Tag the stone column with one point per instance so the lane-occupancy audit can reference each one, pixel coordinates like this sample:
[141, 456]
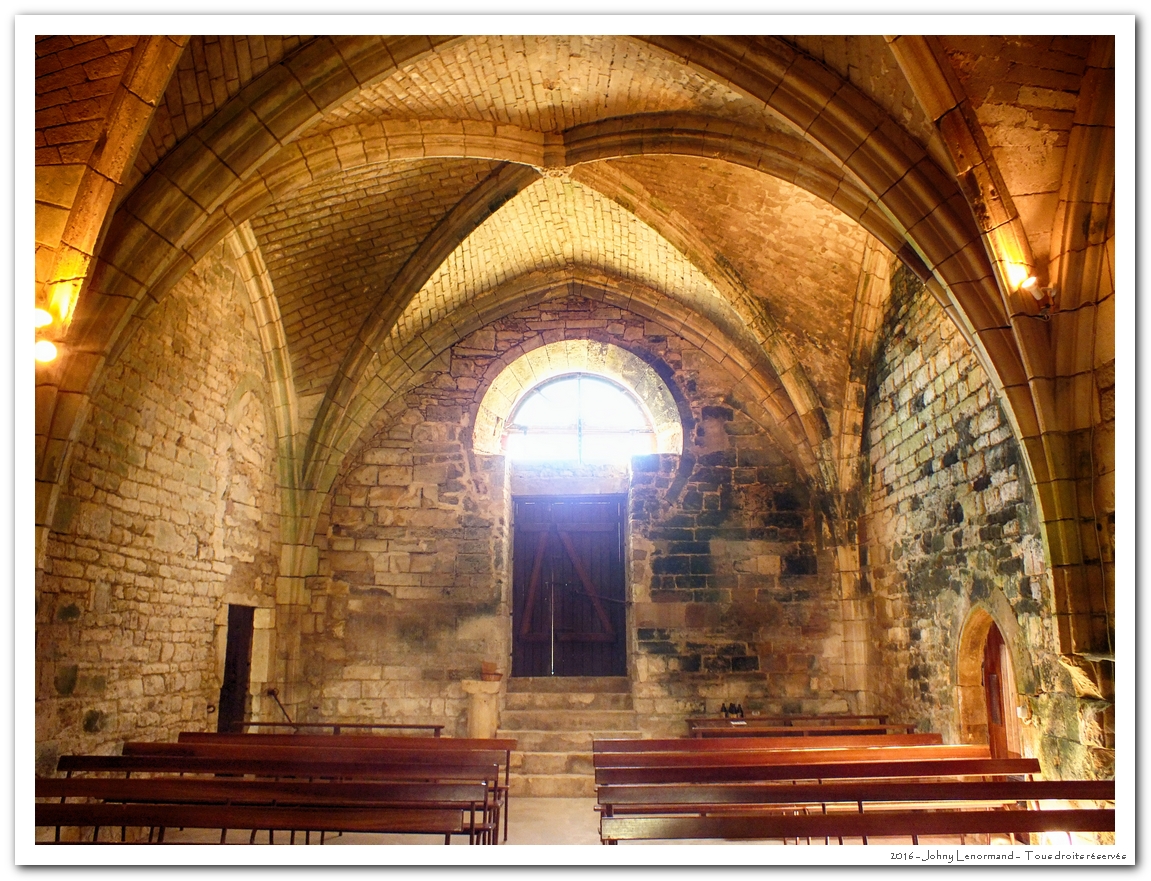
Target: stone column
[483, 707]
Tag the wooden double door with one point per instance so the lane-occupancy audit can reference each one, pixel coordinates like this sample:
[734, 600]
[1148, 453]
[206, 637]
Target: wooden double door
[568, 604]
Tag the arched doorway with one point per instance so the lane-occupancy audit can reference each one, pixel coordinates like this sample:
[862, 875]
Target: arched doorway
[569, 417]
[999, 696]
[988, 696]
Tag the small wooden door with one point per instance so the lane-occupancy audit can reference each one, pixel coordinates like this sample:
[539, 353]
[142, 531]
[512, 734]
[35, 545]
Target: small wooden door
[237, 669]
[568, 604]
[993, 679]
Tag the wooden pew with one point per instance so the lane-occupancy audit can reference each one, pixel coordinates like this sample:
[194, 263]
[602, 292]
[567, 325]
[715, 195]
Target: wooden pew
[345, 747]
[709, 770]
[329, 818]
[753, 728]
[683, 758]
[291, 753]
[791, 718]
[684, 744]
[339, 727]
[415, 799]
[832, 800]
[654, 779]
[481, 767]
[911, 823]
[708, 798]
[335, 769]
[372, 741]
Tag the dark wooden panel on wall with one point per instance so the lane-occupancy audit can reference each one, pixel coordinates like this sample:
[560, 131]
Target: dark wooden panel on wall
[568, 597]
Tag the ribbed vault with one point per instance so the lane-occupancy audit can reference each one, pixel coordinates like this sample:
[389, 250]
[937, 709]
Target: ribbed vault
[334, 104]
[545, 84]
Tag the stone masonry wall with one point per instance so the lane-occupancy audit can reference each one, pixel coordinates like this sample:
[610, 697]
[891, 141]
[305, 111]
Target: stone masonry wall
[734, 598]
[953, 525]
[729, 587]
[168, 514]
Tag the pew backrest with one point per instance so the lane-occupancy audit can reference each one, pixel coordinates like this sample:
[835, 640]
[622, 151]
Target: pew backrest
[342, 741]
[216, 790]
[674, 758]
[329, 818]
[440, 769]
[693, 797]
[740, 728]
[705, 772]
[315, 753]
[848, 824]
[692, 744]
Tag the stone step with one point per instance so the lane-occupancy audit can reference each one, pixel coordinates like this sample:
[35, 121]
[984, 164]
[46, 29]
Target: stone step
[553, 786]
[567, 720]
[582, 700]
[554, 720]
[537, 764]
[569, 684]
[561, 741]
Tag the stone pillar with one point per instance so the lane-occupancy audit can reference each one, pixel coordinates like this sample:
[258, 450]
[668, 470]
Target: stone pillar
[483, 707]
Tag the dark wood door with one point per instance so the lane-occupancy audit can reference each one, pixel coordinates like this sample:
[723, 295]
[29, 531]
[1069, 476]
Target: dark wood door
[568, 605]
[993, 691]
[237, 669]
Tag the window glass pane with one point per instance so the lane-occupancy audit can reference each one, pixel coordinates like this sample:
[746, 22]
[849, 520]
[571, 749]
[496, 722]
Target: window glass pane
[543, 446]
[579, 418]
[616, 446]
[552, 405]
[603, 405]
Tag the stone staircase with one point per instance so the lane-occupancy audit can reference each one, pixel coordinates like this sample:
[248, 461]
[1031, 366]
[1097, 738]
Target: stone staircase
[554, 719]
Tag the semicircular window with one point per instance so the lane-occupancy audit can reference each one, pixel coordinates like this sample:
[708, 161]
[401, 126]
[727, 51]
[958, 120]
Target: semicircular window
[579, 417]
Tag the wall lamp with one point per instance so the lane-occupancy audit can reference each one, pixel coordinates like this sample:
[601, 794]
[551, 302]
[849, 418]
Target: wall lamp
[45, 350]
[1044, 296]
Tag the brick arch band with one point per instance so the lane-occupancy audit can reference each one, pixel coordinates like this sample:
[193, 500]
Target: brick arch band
[576, 356]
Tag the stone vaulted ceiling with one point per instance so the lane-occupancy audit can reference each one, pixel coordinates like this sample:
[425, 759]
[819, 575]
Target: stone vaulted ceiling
[386, 194]
[790, 262]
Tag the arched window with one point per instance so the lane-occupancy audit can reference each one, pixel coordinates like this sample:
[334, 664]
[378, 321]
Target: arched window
[579, 417]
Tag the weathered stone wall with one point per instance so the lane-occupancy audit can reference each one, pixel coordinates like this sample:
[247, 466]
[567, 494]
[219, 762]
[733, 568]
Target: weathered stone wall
[731, 593]
[409, 590]
[952, 527]
[169, 513]
[734, 598]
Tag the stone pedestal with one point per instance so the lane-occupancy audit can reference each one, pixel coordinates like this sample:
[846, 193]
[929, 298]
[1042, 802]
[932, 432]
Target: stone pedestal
[483, 707]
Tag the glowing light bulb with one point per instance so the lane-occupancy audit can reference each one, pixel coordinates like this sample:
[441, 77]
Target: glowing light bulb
[42, 317]
[1017, 275]
[45, 351]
